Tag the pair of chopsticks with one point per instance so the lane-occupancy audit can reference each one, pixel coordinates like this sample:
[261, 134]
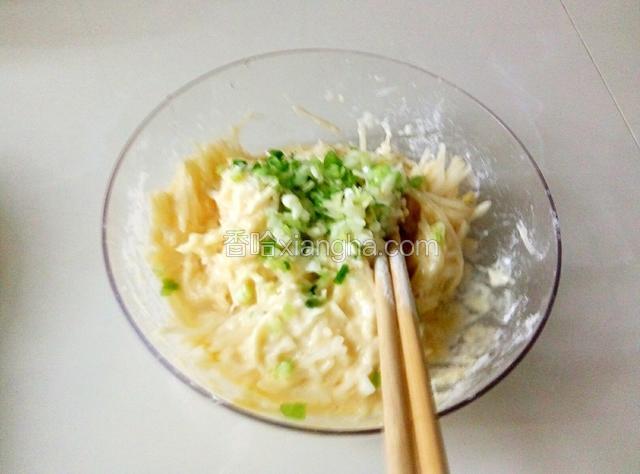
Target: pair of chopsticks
[413, 442]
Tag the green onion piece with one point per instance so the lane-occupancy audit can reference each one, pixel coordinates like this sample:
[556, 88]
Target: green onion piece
[284, 369]
[313, 302]
[260, 171]
[374, 378]
[169, 286]
[438, 233]
[276, 153]
[331, 158]
[297, 411]
[416, 182]
[379, 172]
[308, 186]
[240, 163]
[342, 274]
[349, 179]
[268, 247]
[277, 164]
[301, 174]
[400, 181]
[276, 263]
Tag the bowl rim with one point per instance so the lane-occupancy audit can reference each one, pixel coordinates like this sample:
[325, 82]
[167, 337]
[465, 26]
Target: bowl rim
[257, 416]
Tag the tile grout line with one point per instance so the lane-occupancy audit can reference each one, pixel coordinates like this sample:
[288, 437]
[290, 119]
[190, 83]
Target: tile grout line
[602, 78]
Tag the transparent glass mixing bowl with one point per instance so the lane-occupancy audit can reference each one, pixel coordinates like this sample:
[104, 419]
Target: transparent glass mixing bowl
[521, 229]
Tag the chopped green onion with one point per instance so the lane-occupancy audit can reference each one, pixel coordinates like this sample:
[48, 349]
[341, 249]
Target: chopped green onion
[240, 163]
[260, 170]
[342, 274]
[400, 181]
[284, 369]
[374, 378]
[438, 233]
[331, 158]
[169, 286]
[380, 172]
[313, 302]
[416, 181]
[277, 164]
[278, 264]
[308, 186]
[297, 411]
[276, 153]
[317, 192]
[268, 247]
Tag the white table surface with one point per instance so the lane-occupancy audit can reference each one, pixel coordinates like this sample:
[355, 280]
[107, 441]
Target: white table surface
[78, 391]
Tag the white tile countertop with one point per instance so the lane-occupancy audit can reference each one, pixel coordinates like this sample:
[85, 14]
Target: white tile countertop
[79, 393]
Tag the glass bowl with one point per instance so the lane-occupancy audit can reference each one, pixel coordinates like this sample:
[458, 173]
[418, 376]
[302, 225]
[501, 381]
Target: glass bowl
[519, 236]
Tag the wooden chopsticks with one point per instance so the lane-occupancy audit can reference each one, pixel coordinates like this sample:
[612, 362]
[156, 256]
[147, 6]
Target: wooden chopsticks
[397, 423]
[413, 442]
